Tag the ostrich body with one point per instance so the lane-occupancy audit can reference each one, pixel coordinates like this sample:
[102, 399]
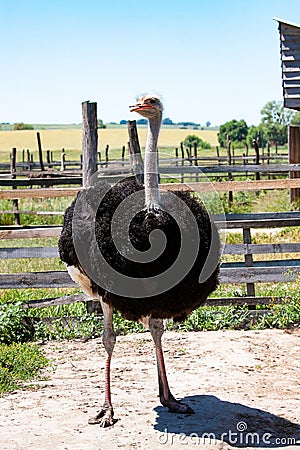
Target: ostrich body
[158, 301]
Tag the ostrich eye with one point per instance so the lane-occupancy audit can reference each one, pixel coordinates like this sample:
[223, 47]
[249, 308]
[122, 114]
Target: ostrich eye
[152, 101]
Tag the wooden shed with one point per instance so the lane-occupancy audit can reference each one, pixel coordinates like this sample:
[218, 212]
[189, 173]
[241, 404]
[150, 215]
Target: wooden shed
[289, 34]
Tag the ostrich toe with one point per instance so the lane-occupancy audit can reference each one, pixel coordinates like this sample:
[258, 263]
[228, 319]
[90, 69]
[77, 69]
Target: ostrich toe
[104, 418]
[175, 406]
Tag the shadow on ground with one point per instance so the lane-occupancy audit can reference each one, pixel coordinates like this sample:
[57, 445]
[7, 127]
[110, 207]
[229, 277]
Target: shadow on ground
[216, 420]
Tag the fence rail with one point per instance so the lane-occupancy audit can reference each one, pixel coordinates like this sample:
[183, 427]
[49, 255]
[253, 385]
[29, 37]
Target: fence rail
[251, 185]
[249, 271]
[40, 180]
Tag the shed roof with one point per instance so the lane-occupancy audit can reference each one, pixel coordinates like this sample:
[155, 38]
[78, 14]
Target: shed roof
[289, 33]
[286, 22]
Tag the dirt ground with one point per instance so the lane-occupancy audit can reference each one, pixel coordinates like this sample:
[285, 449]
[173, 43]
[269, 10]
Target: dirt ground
[243, 387]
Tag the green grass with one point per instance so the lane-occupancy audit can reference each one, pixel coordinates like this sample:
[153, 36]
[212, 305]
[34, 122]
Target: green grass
[19, 364]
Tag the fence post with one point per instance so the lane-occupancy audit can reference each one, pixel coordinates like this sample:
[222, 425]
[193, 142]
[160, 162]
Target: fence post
[48, 156]
[196, 159]
[28, 160]
[176, 156]
[40, 151]
[294, 158]
[256, 148]
[89, 164]
[218, 155]
[123, 154]
[248, 260]
[13, 160]
[63, 160]
[228, 144]
[89, 141]
[106, 155]
[268, 158]
[135, 157]
[182, 161]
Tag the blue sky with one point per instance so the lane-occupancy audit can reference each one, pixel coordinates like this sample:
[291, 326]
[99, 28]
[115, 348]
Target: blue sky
[211, 60]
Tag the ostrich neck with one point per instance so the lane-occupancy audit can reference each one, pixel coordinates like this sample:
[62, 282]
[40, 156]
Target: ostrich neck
[151, 165]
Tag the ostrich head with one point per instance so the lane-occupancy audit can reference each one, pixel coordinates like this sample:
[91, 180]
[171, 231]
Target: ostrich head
[148, 106]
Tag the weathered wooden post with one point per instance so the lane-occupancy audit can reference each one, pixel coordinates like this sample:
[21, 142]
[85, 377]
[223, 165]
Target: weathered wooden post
[63, 160]
[89, 141]
[106, 155]
[268, 158]
[89, 164]
[256, 148]
[13, 161]
[28, 159]
[40, 151]
[134, 150]
[218, 155]
[228, 145]
[182, 161]
[294, 158]
[48, 157]
[123, 154]
[196, 159]
[248, 260]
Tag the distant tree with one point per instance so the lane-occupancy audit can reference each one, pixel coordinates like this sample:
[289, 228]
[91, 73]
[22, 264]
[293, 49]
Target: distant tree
[5, 126]
[236, 129]
[295, 119]
[189, 124]
[123, 122]
[274, 122]
[22, 126]
[274, 112]
[208, 124]
[192, 139]
[100, 124]
[256, 132]
[167, 121]
[142, 122]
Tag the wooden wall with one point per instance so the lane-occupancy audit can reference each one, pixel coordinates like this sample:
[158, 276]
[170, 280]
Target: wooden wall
[290, 63]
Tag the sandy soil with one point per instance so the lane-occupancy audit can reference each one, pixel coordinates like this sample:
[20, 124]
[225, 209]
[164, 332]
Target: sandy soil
[243, 387]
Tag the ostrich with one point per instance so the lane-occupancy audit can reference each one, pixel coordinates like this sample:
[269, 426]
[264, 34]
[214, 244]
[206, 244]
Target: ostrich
[153, 301]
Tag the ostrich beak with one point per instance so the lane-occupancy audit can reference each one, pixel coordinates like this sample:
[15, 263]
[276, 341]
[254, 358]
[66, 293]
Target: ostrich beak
[140, 107]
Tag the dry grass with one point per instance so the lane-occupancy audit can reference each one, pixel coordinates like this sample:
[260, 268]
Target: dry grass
[115, 137]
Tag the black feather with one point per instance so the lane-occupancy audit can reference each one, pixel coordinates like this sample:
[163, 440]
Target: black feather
[178, 301]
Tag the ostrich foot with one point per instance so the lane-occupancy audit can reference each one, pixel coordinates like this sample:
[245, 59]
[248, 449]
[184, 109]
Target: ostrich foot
[104, 417]
[175, 406]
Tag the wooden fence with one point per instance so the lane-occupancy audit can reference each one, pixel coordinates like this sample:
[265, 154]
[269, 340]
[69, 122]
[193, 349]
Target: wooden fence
[249, 271]
[188, 156]
[195, 171]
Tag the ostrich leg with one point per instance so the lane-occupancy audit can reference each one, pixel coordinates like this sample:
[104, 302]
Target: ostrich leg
[166, 398]
[105, 416]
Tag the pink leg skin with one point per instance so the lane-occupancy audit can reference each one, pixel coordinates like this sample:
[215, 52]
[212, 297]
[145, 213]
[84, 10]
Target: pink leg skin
[166, 398]
[105, 417]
